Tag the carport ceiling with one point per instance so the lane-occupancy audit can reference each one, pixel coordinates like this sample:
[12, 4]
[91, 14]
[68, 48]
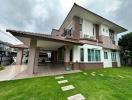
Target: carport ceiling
[46, 45]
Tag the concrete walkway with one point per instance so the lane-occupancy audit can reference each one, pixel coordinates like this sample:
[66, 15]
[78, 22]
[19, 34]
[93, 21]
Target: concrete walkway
[11, 71]
[14, 72]
[49, 70]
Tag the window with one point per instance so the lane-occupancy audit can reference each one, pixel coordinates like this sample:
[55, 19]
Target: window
[106, 31]
[93, 29]
[113, 56]
[93, 55]
[97, 55]
[81, 22]
[105, 55]
[112, 37]
[103, 30]
[81, 54]
[89, 54]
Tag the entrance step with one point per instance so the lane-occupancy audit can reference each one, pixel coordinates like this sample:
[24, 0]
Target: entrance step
[62, 81]
[59, 77]
[76, 97]
[66, 88]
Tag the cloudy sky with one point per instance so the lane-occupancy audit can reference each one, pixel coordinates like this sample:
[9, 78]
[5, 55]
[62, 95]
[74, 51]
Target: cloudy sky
[43, 15]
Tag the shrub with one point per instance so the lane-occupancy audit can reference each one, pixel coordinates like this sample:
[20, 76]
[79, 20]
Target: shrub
[1, 67]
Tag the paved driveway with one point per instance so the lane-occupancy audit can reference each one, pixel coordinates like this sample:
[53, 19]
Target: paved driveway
[11, 71]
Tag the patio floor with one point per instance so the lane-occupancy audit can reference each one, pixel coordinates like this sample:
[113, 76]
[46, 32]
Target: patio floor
[43, 70]
[11, 71]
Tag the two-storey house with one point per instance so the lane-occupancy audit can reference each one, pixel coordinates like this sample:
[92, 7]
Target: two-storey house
[84, 40]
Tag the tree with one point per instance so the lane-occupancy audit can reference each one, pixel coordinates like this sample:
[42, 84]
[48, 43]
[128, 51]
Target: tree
[125, 42]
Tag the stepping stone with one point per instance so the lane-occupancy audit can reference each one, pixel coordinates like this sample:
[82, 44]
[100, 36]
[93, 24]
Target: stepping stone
[104, 71]
[63, 81]
[76, 97]
[101, 74]
[66, 88]
[128, 76]
[85, 73]
[92, 74]
[59, 77]
[121, 76]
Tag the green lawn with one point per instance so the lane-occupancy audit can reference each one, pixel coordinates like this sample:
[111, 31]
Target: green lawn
[108, 87]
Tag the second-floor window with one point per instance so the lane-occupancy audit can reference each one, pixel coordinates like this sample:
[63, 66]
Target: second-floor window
[93, 29]
[81, 23]
[112, 37]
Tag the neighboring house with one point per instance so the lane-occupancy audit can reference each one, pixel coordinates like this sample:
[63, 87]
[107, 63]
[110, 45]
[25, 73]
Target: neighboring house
[6, 53]
[85, 40]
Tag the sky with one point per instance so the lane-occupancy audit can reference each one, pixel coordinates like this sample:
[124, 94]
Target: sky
[43, 15]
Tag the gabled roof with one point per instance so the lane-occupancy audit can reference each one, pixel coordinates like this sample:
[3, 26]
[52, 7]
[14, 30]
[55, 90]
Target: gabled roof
[81, 12]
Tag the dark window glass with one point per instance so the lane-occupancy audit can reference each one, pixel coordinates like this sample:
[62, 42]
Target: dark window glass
[105, 55]
[81, 54]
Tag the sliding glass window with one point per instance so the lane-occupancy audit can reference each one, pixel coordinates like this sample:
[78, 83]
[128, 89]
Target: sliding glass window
[94, 55]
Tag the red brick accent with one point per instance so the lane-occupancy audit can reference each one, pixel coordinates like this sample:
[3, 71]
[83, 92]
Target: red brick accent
[114, 64]
[66, 64]
[91, 65]
[76, 30]
[107, 43]
[75, 66]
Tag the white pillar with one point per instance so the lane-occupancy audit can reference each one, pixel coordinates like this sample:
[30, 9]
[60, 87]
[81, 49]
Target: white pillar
[19, 56]
[32, 56]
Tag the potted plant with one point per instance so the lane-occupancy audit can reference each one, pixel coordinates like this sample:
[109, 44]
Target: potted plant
[69, 67]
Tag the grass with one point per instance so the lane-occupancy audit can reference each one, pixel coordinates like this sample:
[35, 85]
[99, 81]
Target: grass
[1, 67]
[108, 87]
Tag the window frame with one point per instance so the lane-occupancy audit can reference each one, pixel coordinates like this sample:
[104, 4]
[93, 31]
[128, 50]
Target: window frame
[81, 25]
[81, 54]
[113, 56]
[93, 55]
[105, 55]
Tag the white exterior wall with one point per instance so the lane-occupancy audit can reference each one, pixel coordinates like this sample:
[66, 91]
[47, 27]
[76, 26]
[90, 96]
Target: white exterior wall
[76, 52]
[107, 62]
[118, 58]
[104, 32]
[87, 28]
[116, 41]
[70, 25]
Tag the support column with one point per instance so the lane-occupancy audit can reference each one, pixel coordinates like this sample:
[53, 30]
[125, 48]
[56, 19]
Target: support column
[36, 60]
[19, 56]
[66, 56]
[76, 57]
[32, 56]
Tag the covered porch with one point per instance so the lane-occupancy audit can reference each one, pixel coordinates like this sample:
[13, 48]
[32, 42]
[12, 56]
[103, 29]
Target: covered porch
[61, 52]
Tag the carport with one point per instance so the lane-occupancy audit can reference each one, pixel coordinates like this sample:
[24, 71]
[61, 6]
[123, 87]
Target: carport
[57, 45]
